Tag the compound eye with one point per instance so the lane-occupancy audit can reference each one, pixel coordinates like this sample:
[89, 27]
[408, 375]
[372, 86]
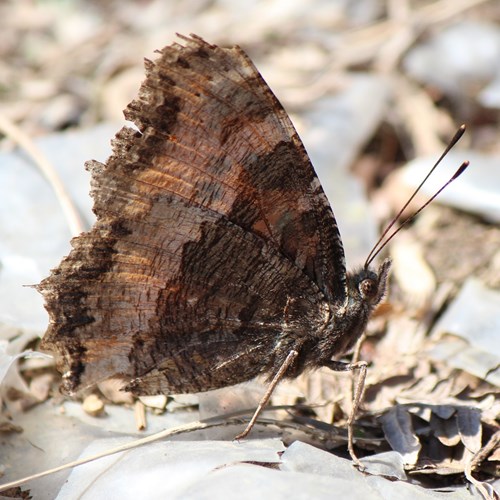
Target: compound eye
[368, 289]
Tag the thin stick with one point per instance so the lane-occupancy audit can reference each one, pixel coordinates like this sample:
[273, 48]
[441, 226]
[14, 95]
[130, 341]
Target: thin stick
[22, 140]
[263, 402]
[195, 426]
[485, 451]
[140, 415]
[486, 490]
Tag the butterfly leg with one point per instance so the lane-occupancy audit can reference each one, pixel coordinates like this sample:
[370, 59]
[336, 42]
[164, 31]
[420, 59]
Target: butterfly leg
[263, 402]
[338, 366]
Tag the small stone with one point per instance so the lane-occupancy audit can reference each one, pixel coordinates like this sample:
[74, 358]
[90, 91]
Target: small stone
[93, 406]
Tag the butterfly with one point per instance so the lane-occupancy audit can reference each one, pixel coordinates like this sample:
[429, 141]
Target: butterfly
[216, 256]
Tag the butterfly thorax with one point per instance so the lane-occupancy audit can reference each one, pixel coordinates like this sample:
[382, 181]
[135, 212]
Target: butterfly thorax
[365, 289]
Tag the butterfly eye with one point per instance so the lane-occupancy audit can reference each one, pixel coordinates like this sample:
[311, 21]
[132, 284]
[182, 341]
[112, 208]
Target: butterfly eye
[368, 288]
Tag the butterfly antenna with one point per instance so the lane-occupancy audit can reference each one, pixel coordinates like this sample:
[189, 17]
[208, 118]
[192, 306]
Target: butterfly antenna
[382, 241]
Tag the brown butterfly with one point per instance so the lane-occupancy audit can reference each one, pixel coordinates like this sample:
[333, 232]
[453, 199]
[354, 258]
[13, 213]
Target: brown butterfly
[215, 256]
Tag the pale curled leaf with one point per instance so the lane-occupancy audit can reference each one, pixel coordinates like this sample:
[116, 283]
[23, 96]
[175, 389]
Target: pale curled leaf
[6, 360]
[398, 430]
[389, 464]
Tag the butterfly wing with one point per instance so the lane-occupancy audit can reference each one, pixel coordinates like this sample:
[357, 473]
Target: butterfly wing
[214, 243]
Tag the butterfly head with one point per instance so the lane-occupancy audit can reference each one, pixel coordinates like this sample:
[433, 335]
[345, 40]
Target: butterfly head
[369, 286]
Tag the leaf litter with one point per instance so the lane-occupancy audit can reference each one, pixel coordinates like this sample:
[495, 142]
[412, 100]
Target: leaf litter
[432, 393]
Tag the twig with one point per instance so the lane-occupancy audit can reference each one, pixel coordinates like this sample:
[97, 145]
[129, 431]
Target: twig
[195, 426]
[485, 489]
[14, 133]
[485, 451]
[140, 415]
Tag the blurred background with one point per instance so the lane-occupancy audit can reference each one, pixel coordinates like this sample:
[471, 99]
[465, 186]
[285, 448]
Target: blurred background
[375, 88]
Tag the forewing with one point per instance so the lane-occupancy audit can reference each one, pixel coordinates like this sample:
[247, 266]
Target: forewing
[215, 134]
